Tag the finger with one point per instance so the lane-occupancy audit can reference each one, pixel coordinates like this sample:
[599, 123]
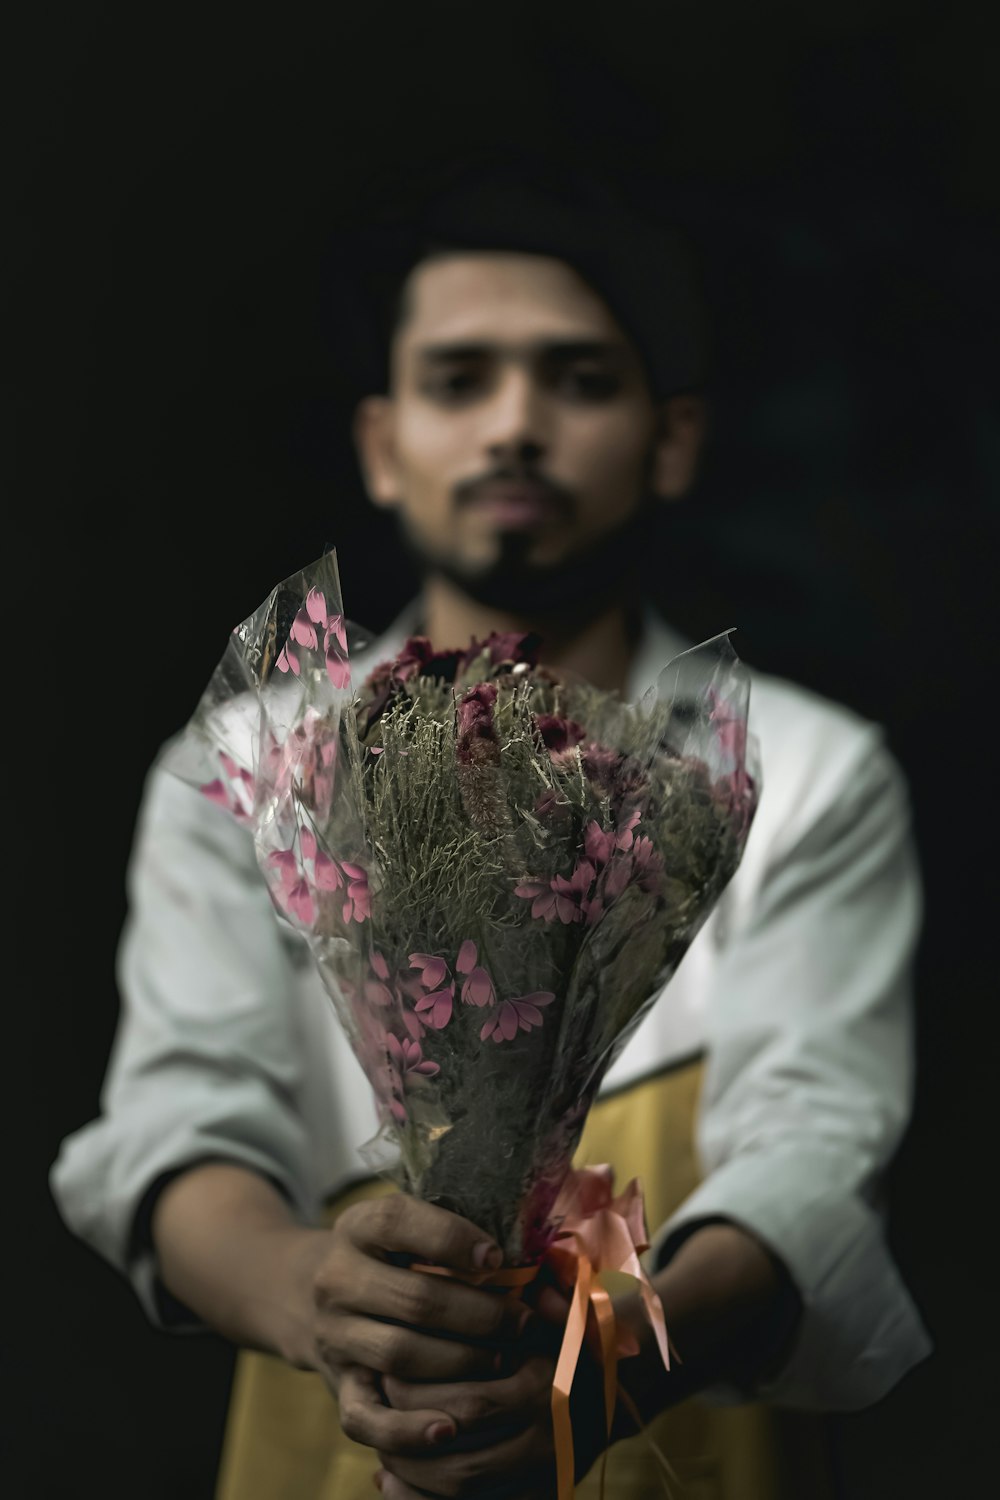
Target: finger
[365, 1418]
[398, 1223]
[521, 1462]
[393, 1350]
[511, 1402]
[356, 1283]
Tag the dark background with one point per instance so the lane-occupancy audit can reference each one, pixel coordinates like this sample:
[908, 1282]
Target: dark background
[184, 388]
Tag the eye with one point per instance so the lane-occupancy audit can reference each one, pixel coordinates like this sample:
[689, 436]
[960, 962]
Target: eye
[453, 384]
[594, 385]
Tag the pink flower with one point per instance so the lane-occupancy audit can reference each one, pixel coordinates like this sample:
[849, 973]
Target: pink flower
[478, 987]
[407, 1057]
[626, 831]
[357, 905]
[433, 969]
[404, 1060]
[434, 1006]
[730, 726]
[235, 793]
[335, 650]
[292, 895]
[435, 1009]
[310, 620]
[570, 894]
[541, 896]
[511, 1016]
[599, 844]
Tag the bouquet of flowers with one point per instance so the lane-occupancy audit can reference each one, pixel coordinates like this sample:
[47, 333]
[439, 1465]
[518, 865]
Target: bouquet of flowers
[497, 868]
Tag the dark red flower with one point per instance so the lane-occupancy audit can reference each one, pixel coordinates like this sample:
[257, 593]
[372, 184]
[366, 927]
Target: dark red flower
[558, 733]
[476, 739]
[508, 647]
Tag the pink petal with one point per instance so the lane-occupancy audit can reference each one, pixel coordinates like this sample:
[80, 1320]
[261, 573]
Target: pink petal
[478, 988]
[354, 871]
[597, 843]
[441, 1014]
[303, 632]
[537, 997]
[316, 607]
[335, 627]
[338, 670]
[566, 911]
[393, 1047]
[583, 876]
[529, 889]
[397, 1111]
[376, 993]
[379, 964]
[361, 900]
[413, 1024]
[434, 969]
[544, 906]
[427, 1068]
[466, 960]
[489, 1027]
[285, 861]
[527, 1015]
[300, 902]
[436, 1008]
[288, 661]
[215, 792]
[507, 1022]
[308, 842]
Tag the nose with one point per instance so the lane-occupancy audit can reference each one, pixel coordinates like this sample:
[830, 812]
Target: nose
[514, 420]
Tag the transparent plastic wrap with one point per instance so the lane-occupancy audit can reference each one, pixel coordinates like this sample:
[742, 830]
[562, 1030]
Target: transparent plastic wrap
[497, 869]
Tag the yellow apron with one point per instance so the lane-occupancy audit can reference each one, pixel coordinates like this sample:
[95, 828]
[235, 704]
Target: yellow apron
[283, 1440]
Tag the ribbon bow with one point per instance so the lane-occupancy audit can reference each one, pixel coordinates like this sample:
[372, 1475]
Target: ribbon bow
[597, 1232]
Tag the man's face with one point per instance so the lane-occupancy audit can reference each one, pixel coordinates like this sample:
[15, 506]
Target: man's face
[519, 428]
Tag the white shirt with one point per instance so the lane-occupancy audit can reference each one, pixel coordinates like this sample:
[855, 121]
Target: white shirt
[797, 988]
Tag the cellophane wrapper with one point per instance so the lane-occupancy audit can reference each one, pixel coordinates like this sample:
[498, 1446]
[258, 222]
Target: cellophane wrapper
[496, 866]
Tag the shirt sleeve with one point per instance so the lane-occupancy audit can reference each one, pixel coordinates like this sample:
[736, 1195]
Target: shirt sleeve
[205, 1063]
[809, 1083]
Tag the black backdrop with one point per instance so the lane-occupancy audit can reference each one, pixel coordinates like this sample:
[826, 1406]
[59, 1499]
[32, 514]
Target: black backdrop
[184, 443]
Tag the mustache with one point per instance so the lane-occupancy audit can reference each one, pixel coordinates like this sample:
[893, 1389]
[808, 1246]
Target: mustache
[468, 491]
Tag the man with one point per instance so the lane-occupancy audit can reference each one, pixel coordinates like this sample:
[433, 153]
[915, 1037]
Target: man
[528, 430]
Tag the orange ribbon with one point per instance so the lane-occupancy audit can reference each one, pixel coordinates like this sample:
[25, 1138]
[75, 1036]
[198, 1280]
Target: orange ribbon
[598, 1232]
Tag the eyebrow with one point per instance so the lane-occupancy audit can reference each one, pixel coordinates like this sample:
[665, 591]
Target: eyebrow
[563, 349]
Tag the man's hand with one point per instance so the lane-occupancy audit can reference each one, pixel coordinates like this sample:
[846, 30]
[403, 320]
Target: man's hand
[729, 1310]
[340, 1301]
[504, 1445]
[374, 1318]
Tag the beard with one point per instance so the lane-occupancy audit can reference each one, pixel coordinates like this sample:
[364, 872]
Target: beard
[610, 572]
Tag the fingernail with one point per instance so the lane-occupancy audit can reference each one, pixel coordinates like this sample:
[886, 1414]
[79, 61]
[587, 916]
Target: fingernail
[522, 1321]
[487, 1256]
[438, 1431]
[377, 1479]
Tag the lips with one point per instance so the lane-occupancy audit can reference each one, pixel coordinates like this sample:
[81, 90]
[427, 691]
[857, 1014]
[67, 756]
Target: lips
[517, 503]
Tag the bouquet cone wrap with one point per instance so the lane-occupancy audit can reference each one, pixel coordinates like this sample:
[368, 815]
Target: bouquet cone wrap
[497, 869]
